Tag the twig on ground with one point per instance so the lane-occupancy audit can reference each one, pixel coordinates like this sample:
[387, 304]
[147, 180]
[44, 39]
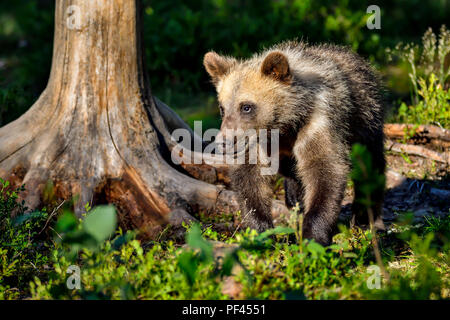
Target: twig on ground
[239, 225]
[51, 215]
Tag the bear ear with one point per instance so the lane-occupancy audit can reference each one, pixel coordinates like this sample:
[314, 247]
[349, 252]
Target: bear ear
[276, 65]
[217, 65]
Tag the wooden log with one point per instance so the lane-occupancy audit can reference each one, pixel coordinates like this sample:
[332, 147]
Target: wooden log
[417, 151]
[397, 130]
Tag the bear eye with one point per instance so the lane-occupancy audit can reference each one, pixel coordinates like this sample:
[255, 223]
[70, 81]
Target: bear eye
[246, 108]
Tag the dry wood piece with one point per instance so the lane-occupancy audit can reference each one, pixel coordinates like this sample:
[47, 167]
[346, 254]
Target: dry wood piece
[397, 130]
[417, 151]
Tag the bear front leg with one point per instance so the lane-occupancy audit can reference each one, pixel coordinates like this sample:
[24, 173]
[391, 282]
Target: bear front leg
[323, 169]
[254, 194]
[324, 191]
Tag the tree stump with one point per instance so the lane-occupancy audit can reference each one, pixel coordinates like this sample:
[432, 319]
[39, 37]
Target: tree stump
[97, 132]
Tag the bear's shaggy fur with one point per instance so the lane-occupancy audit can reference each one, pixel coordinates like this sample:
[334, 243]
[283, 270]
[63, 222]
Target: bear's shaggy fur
[323, 99]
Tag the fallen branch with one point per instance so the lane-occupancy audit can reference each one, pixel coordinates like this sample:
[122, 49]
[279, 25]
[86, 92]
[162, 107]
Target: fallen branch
[417, 151]
[397, 130]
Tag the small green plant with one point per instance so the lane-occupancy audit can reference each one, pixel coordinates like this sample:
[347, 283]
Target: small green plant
[120, 268]
[200, 252]
[421, 273]
[367, 183]
[22, 256]
[433, 106]
[90, 233]
[270, 265]
[429, 75]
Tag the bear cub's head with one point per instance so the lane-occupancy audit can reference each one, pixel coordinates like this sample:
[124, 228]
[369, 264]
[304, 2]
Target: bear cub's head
[252, 92]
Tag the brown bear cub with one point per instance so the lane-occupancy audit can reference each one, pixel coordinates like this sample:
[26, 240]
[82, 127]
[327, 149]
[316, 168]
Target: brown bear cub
[322, 99]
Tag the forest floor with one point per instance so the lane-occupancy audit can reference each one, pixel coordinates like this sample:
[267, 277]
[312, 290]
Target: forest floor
[414, 185]
[417, 191]
[218, 259]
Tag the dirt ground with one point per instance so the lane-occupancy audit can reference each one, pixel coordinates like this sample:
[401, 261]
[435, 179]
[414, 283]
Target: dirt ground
[413, 185]
[420, 186]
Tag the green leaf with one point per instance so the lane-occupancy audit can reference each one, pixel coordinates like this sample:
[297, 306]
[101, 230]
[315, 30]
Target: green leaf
[80, 239]
[66, 222]
[228, 263]
[188, 263]
[195, 240]
[101, 222]
[316, 249]
[28, 216]
[274, 231]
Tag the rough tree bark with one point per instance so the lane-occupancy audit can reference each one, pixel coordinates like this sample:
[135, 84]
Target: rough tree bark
[97, 132]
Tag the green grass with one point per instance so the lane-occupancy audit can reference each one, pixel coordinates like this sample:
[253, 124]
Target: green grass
[265, 269]
[22, 255]
[277, 264]
[429, 75]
